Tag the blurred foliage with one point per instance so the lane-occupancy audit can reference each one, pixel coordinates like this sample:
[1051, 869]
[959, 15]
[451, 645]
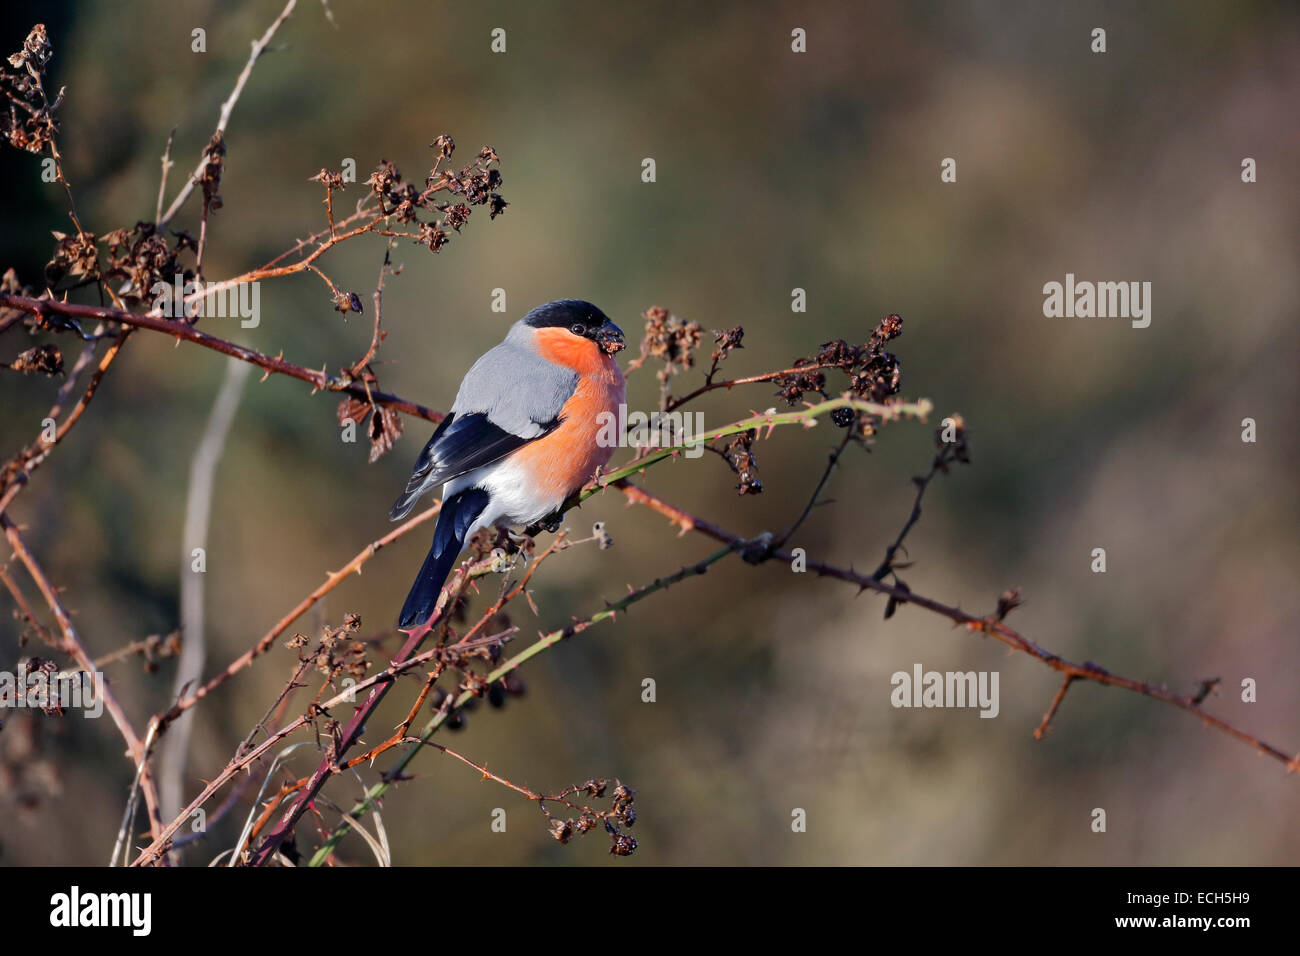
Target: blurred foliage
[774, 171]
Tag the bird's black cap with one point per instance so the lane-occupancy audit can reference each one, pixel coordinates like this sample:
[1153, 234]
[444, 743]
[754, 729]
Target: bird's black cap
[564, 313]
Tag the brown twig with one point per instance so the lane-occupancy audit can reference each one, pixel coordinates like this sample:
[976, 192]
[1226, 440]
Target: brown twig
[504, 669]
[227, 108]
[150, 648]
[352, 733]
[29, 615]
[988, 626]
[812, 500]
[947, 453]
[74, 646]
[441, 657]
[1042, 728]
[265, 642]
[19, 471]
[319, 380]
[710, 385]
[378, 335]
[384, 678]
[563, 830]
[167, 164]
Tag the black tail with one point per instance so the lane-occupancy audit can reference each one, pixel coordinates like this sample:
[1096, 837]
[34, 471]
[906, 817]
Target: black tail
[457, 514]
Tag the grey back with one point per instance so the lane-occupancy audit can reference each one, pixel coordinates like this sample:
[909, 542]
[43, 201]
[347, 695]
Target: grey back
[518, 389]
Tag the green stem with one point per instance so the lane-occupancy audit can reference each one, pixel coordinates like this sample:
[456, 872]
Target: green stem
[806, 417]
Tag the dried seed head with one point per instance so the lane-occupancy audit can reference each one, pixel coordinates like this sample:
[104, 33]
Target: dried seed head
[622, 844]
[45, 359]
[329, 180]
[740, 456]
[670, 339]
[1008, 601]
[562, 830]
[445, 146]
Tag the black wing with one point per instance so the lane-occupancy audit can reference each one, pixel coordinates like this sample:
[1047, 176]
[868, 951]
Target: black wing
[460, 444]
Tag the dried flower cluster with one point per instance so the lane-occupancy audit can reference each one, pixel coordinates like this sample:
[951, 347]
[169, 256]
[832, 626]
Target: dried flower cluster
[142, 257]
[214, 162]
[477, 183]
[669, 339]
[337, 651]
[672, 341]
[44, 359]
[49, 670]
[725, 341]
[620, 814]
[29, 123]
[740, 456]
[874, 374]
[152, 650]
[383, 425]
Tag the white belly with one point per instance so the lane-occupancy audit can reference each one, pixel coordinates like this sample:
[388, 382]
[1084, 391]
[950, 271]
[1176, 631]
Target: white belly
[512, 500]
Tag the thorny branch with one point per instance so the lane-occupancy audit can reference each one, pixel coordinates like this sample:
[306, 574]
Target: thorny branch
[504, 672]
[73, 645]
[319, 380]
[949, 451]
[357, 724]
[620, 811]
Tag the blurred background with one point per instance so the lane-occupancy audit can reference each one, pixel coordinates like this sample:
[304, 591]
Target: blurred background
[775, 170]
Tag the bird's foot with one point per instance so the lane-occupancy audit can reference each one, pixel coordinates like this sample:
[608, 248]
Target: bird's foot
[521, 541]
[550, 524]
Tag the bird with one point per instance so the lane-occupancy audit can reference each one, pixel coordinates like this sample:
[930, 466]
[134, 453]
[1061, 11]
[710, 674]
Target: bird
[520, 438]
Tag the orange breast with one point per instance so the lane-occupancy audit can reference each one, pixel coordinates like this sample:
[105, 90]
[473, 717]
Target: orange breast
[565, 460]
[573, 351]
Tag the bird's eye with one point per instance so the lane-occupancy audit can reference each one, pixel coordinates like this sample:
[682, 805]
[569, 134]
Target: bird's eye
[577, 328]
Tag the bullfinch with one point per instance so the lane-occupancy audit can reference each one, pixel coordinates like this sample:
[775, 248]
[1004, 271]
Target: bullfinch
[520, 438]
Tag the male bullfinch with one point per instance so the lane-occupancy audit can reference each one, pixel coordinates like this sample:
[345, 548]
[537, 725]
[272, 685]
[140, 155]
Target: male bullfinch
[520, 437]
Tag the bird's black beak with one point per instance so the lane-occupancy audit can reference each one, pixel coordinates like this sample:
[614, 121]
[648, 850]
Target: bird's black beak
[610, 338]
